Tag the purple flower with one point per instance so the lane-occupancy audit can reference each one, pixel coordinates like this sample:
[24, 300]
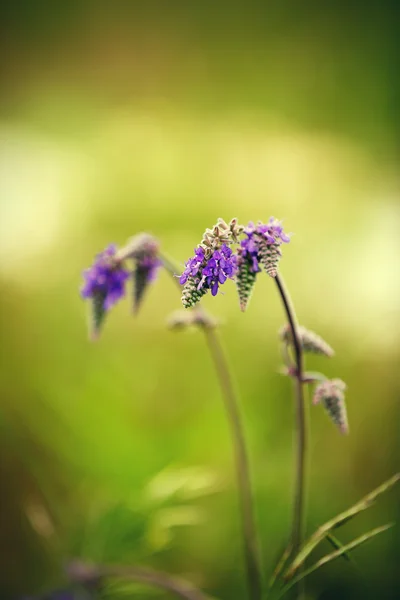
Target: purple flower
[105, 279]
[207, 270]
[254, 248]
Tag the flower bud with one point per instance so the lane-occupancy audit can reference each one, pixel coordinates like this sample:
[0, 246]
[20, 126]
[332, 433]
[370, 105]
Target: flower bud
[331, 394]
[310, 341]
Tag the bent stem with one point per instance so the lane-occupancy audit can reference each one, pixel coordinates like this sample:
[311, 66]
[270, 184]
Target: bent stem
[301, 425]
[251, 550]
[241, 464]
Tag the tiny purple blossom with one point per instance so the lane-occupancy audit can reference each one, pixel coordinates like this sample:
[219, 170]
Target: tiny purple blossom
[210, 272]
[105, 277]
[259, 236]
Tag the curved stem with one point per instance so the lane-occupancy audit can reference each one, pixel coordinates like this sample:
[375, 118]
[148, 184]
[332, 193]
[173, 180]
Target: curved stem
[301, 424]
[241, 464]
[93, 574]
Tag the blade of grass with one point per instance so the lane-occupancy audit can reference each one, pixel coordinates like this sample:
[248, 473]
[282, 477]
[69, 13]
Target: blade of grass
[337, 544]
[338, 521]
[280, 566]
[330, 557]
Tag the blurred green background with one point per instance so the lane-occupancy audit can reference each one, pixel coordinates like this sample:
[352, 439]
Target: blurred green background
[119, 117]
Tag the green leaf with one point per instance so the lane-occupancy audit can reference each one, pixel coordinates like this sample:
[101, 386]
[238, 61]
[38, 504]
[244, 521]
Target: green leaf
[330, 557]
[280, 566]
[338, 521]
[337, 544]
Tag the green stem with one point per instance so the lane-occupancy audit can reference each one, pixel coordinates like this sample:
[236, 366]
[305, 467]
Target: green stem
[301, 429]
[241, 464]
[240, 453]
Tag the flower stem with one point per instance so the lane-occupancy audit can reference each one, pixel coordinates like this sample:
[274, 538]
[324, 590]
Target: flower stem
[301, 428]
[240, 453]
[241, 464]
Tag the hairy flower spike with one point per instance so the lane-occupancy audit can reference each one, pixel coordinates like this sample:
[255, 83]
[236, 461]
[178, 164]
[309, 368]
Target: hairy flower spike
[143, 249]
[331, 394]
[310, 341]
[104, 285]
[212, 264]
[245, 280]
[260, 248]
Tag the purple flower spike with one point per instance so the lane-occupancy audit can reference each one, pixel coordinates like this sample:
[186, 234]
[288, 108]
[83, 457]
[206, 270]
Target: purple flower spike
[104, 285]
[260, 248]
[208, 269]
[106, 278]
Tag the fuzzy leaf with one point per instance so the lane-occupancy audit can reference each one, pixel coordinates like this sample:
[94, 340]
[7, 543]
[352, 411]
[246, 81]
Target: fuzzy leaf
[338, 521]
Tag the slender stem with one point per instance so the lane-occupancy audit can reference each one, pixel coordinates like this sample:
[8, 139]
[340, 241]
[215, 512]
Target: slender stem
[298, 523]
[240, 453]
[241, 464]
[93, 575]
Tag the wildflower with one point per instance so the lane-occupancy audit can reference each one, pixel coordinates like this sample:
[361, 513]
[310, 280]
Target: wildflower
[331, 394]
[106, 278]
[143, 249]
[310, 341]
[260, 248]
[212, 264]
[104, 285]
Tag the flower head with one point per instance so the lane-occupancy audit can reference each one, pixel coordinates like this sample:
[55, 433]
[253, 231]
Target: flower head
[105, 279]
[260, 248]
[261, 245]
[331, 394]
[310, 341]
[145, 255]
[104, 285]
[212, 264]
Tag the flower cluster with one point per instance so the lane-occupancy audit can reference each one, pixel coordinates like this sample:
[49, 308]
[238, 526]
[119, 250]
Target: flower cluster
[261, 245]
[212, 264]
[260, 248]
[105, 280]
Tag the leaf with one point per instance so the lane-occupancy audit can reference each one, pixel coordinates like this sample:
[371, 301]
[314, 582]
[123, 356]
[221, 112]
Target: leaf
[338, 521]
[330, 557]
[280, 566]
[337, 544]
[97, 314]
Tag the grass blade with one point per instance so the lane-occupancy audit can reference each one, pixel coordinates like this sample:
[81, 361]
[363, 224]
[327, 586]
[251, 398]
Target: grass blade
[338, 521]
[330, 557]
[280, 566]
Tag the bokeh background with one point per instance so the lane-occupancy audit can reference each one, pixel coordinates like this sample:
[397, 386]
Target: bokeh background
[128, 116]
